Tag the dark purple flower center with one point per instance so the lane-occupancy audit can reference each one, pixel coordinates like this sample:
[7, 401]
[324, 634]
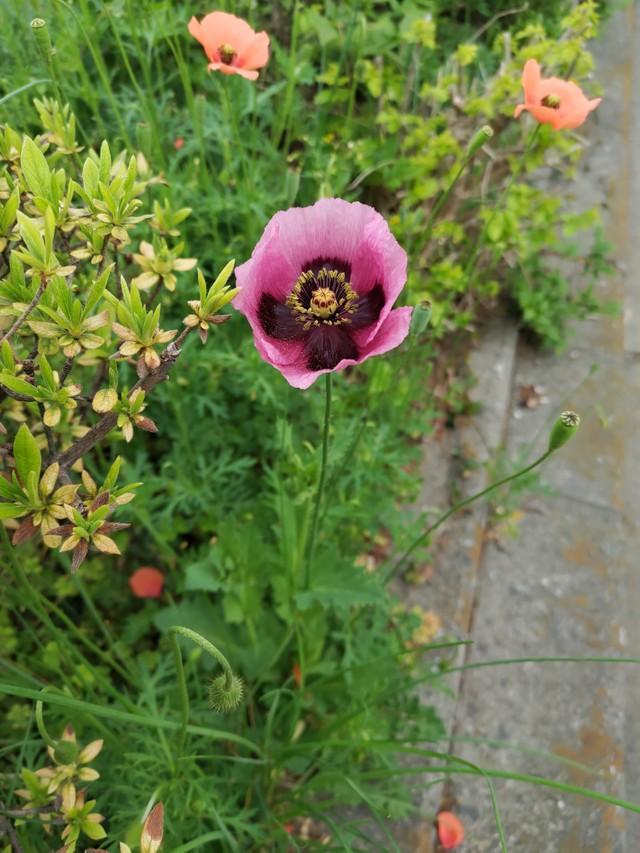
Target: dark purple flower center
[227, 53]
[323, 310]
[552, 101]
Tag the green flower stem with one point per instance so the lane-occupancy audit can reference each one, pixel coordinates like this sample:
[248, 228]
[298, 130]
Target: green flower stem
[281, 123]
[440, 203]
[207, 647]
[44, 734]
[480, 239]
[182, 692]
[321, 480]
[425, 534]
[211, 650]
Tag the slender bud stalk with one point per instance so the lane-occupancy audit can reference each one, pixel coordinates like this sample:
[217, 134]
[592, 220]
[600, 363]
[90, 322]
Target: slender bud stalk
[64, 751]
[564, 428]
[44, 734]
[478, 140]
[225, 692]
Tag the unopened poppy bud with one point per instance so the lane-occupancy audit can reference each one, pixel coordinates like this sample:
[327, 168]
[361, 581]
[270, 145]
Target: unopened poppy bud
[563, 429]
[65, 752]
[481, 137]
[420, 317]
[41, 35]
[224, 699]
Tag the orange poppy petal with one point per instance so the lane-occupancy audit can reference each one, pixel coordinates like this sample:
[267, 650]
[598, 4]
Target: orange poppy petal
[147, 582]
[245, 72]
[531, 79]
[195, 28]
[256, 53]
[224, 28]
[571, 120]
[450, 830]
[546, 115]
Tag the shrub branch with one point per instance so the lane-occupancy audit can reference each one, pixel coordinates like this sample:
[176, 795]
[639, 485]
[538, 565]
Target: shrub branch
[107, 422]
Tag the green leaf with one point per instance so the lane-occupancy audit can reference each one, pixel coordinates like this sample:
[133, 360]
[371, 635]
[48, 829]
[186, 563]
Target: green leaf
[14, 383]
[7, 490]
[112, 477]
[35, 169]
[90, 177]
[93, 830]
[202, 576]
[47, 372]
[6, 356]
[27, 454]
[8, 215]
[11, 511]
[49, 233]
[32, 237]
[339, 585]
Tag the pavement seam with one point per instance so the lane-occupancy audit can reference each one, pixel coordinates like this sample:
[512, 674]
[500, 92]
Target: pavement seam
[448, 798]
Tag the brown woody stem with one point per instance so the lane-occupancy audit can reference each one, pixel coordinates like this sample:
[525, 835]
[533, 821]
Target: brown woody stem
[107, 422]
[20, 320]
[23, 398]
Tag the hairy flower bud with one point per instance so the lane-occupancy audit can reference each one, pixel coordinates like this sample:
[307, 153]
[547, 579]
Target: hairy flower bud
[223, 699]
[65, 752]
[563, 429]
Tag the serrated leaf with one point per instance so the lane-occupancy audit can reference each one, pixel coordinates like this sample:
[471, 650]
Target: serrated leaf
[337, 584]
[201, 576]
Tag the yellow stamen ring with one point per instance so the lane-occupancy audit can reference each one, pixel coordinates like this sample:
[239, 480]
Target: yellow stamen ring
[323, 297]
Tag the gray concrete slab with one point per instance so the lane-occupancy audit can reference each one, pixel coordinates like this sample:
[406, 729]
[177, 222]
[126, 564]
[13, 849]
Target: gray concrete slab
[569, 584]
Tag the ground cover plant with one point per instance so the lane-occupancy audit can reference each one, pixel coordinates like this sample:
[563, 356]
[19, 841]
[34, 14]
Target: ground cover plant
[196, 552]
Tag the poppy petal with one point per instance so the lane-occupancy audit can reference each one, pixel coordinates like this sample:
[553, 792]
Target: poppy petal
[368, 309]
[147, 582]
[243, 72]
[223, 28]
[256, 52]
[277, 320]
[531, 78]
[326, 346]
[450, 830]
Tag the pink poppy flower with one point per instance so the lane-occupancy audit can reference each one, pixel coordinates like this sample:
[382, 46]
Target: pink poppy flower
[147, 582]
[550, 100]
[450, 830]
[319, 288]
[230, 44]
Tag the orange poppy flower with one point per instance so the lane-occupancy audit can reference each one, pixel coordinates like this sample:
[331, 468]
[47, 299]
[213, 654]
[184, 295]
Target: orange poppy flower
[450, 830]
[147, 582]
[550, 100]
[230, 44]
